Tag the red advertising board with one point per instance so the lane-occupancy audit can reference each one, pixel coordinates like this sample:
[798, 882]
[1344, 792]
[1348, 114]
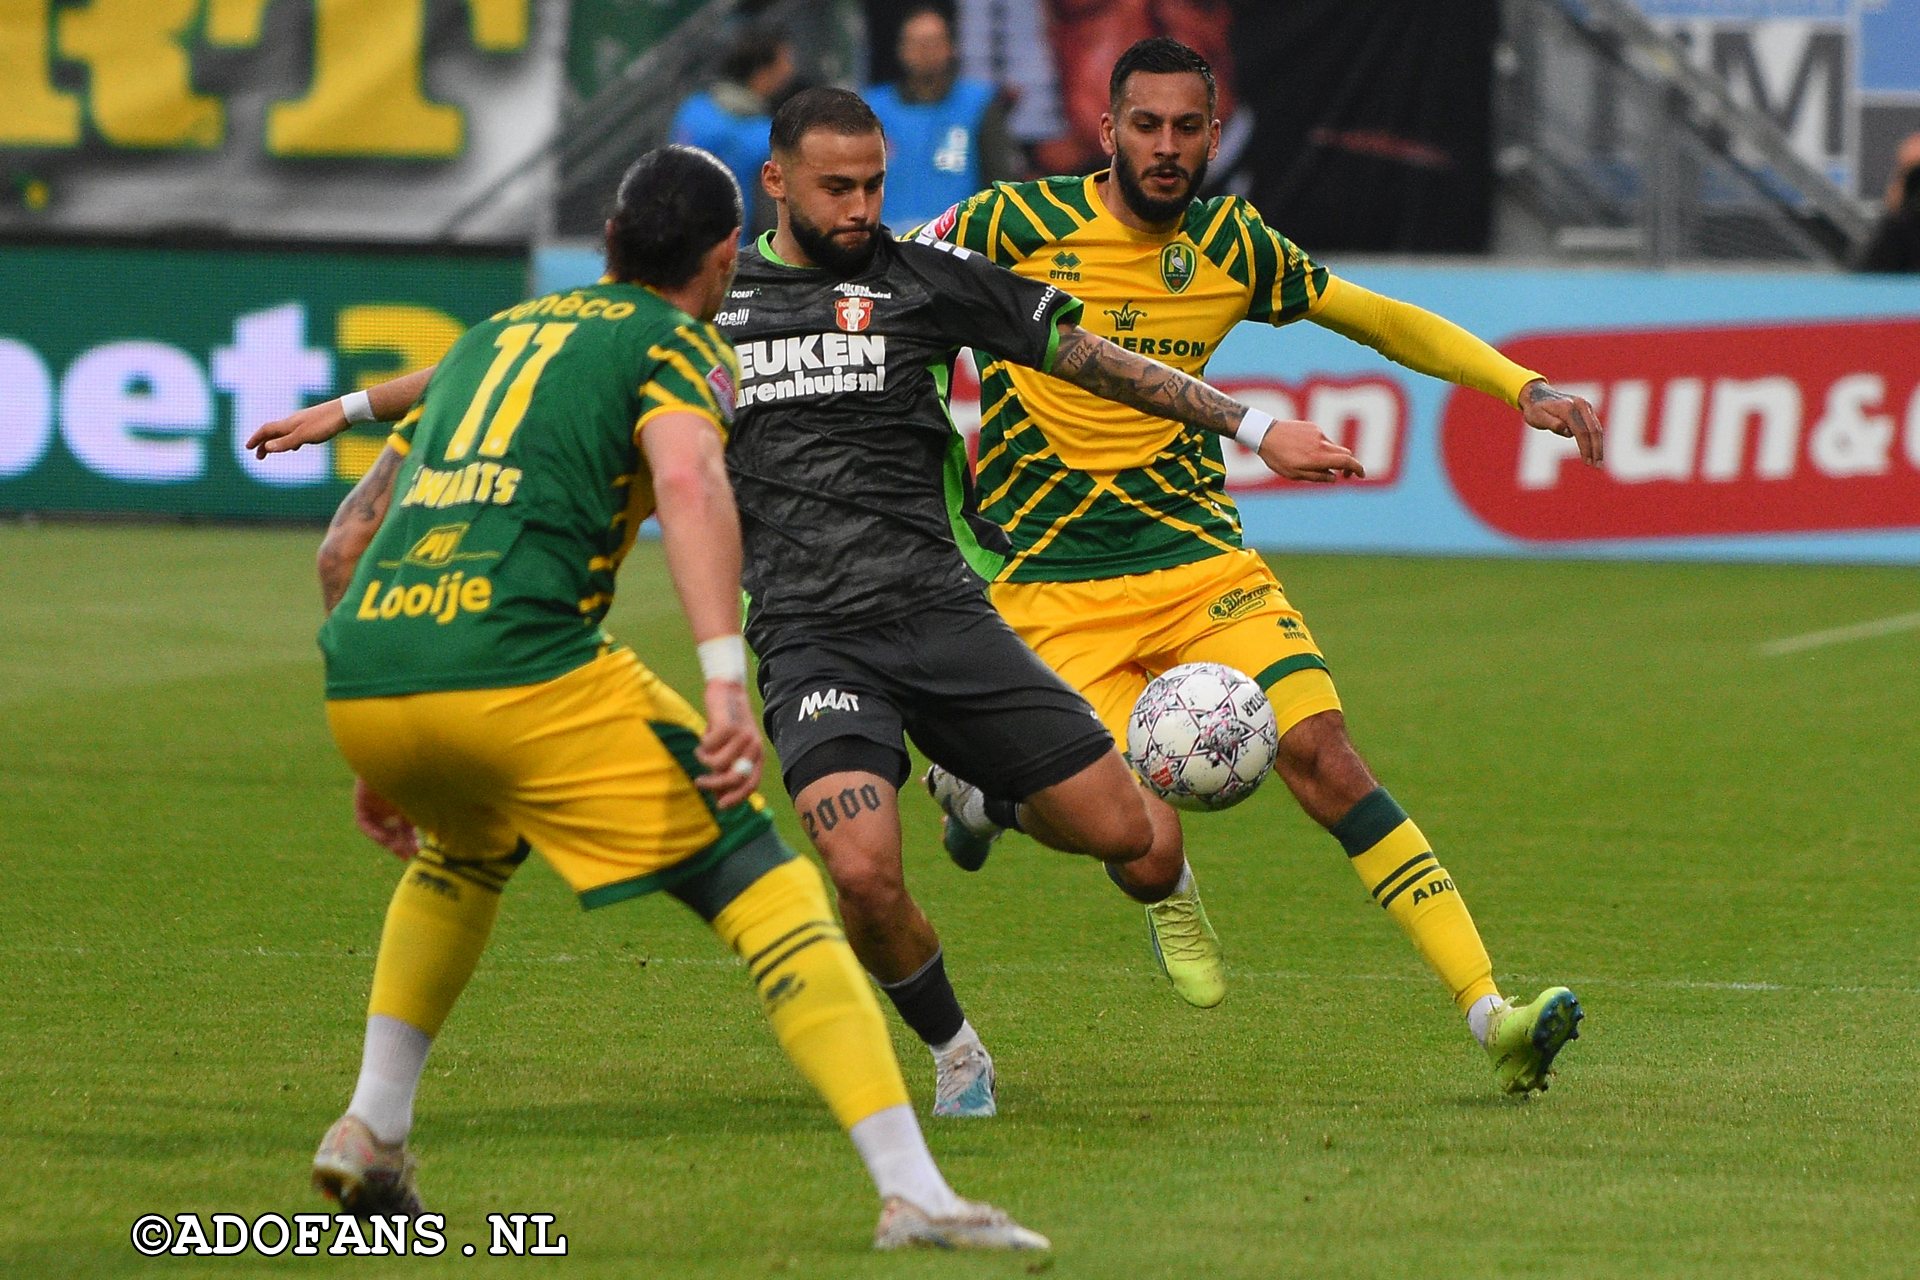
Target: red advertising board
[1710, 430]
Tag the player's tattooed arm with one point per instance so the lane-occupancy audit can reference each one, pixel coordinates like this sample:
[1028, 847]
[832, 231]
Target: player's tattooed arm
[1112, 372]
[354, 525]
[1294, 449]
[1549, 410]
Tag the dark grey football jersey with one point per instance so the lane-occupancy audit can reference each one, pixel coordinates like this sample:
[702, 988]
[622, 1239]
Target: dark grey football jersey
[856, 498]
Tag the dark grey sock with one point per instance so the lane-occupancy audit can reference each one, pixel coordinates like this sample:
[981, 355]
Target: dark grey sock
[926, 1001]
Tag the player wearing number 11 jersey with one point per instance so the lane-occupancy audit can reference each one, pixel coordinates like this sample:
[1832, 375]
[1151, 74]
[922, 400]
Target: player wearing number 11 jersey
[473, 690]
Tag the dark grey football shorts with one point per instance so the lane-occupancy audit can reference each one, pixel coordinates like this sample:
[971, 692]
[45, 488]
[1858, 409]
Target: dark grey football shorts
[953, 677]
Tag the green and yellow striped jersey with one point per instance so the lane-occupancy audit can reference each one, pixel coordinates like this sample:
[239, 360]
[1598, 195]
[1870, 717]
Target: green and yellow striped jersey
[522, 490]
[1084, 487]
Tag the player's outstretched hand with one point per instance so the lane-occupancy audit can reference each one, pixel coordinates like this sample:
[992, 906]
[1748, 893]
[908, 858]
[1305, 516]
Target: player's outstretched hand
[1300, 451]
[313, 425]
[731, 749]
[382, 821]
[1564, 415]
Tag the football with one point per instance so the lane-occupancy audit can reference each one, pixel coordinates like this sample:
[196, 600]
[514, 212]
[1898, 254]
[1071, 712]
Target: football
[1202, 736]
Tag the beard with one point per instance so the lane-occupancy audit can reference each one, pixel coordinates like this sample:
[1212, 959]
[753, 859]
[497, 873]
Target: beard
[1150, 208]
[829, 253]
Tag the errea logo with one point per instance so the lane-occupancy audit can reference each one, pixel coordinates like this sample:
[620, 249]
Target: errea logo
[1066, 266]
[821, 701]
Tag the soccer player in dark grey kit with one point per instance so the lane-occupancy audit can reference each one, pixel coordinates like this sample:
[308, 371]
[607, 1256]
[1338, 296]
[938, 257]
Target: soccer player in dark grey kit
[866, 560]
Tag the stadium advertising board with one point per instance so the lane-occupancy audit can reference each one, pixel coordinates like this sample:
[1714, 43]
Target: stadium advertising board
[1750, 416]
[130, 377]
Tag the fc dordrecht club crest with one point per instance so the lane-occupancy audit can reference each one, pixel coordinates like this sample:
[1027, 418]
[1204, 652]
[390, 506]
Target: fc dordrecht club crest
[1176, 267]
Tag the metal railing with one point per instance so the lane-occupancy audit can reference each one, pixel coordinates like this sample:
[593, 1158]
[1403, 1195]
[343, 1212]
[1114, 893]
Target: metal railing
[1624, 150]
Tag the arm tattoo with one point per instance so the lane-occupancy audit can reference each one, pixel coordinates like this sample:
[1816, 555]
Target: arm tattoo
[1114, 373]
[354, 525]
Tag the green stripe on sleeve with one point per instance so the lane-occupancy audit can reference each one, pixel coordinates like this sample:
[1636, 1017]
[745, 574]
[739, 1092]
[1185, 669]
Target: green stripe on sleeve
[1072, 192]
[1287, 666]
[670, 382]
[1068, 312]
[976, 222]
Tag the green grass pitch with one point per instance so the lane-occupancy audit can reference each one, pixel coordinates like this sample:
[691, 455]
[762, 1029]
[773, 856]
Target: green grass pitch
[1714, 847]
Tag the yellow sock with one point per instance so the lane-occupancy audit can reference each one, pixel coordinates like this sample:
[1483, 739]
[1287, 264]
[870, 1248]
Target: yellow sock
[815, 994]
[437, 925]
[1397, 865]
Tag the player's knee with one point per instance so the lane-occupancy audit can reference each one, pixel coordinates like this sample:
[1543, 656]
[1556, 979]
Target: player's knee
[1322, 767]
[1318, 749]
[1119, 833]
[871, 886]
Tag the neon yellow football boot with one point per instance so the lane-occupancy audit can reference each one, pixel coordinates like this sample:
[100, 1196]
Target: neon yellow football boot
[1524, 1039]
[1187, 948]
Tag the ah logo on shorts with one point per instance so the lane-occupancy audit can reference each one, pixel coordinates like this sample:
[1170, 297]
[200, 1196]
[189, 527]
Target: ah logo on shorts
[1239, 602]
[853, 314]
[821, 701]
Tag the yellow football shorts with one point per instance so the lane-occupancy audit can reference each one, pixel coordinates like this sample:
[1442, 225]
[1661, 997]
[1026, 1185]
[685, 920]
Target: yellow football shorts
[594, 769]
[1108, 637]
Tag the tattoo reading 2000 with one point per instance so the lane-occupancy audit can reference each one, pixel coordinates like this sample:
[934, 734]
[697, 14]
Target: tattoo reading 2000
[834, 810]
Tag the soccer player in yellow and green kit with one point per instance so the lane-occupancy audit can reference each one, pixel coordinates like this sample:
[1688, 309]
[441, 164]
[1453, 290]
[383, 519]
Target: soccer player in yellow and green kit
[471, 686]
[1127, 557]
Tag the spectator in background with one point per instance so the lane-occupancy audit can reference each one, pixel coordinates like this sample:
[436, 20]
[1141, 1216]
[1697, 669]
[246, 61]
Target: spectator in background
[1895, 243]
[946, 136]
[732, 118]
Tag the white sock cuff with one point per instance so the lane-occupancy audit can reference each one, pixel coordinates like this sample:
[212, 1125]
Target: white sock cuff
[1480, 1016]
[895, 1152]
[965, 1035]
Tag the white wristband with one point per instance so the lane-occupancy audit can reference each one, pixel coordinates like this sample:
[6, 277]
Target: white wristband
[723, 658]
[358, 406]
[1253, 429]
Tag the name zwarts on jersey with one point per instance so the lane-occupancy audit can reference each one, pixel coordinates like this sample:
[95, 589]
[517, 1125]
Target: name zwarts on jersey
[819, 364]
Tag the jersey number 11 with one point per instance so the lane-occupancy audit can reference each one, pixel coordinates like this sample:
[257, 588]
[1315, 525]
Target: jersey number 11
[513, 342]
